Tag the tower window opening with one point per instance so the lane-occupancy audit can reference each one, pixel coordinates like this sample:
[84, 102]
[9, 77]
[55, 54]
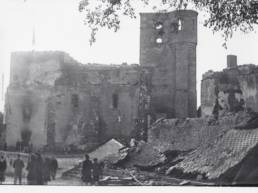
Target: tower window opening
[193, 24]
[158, 26]
[159, 40]
[179, 25]
[75, 100]
[115, 99]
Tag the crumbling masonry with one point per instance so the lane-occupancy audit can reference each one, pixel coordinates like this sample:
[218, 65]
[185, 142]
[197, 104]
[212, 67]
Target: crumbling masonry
[53, 100]
[233, 89]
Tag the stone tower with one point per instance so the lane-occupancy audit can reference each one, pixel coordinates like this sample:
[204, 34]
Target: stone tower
[168, 44]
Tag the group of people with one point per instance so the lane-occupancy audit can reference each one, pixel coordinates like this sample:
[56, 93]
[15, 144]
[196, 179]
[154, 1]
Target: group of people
[40, 171]
[3, 166]
[91, 171]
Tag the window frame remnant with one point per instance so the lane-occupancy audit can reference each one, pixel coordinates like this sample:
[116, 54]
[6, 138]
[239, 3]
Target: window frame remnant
[115, 100]
[75, 100]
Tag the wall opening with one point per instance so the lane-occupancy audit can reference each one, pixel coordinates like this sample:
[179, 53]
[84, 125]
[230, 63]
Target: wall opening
[159, 40]
[115, 99]
[75, 100]
[179, 25]
[193, 24]
[159, 25]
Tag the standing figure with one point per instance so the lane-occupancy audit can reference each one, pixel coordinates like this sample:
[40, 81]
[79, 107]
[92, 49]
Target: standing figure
[39, 170]
[3, 167]
[96, 171]
[5, 146]
[53, 167]
[18, 166]
[86, 170]
[32, 170]
[46, 170]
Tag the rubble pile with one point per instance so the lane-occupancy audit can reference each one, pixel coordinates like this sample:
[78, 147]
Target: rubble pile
[196, 150]
[216, 157]
[143, 155]
[214, 146]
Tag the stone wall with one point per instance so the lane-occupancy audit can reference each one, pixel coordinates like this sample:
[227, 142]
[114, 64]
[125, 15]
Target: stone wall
[58, 101]
[168, 43]
[15, 111]
[233, 89]
[2, 131]
[63, 102]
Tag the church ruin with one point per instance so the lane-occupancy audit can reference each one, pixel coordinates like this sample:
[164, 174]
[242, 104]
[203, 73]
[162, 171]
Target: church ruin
[53, 100]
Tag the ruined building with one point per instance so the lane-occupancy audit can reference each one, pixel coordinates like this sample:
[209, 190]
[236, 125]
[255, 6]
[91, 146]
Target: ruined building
[53, 100]
[2, 131]
[232, 89]
[168, 45]
[222, 144]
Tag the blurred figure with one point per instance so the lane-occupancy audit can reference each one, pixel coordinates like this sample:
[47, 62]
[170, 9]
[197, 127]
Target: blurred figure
[39, 169]
[53, 168]
[11, 162]
[32, 170]
[5, 146]
[3, 166]
[96, 171]
[46, 170]
[86, 170]
[18, 166]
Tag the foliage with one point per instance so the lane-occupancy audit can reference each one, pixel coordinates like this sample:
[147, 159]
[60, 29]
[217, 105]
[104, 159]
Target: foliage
[224, 16]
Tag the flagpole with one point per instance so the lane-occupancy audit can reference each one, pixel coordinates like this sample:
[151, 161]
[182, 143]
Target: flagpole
[2, 86]
[33, 39]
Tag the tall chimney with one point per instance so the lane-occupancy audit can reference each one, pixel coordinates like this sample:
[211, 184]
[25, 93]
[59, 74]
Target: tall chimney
[231, 61]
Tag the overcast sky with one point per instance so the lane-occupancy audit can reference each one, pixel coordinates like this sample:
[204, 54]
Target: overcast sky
[59, 26]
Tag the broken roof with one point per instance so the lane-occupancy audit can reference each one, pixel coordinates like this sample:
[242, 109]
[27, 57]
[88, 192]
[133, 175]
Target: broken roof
[224, 152]
[144, 155]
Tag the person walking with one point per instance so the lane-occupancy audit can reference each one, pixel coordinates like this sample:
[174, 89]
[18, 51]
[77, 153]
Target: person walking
[53, 168]
[86, 170]
[3, 167]
[18, 166]
[96, 171]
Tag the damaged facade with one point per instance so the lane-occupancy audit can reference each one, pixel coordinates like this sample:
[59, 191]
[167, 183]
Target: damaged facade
[58, 101]
[2, 131]
[219, 146]
[232, 89]
[52, 100]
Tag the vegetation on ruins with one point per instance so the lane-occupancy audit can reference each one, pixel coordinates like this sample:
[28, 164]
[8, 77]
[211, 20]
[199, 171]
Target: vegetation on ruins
[224, 16]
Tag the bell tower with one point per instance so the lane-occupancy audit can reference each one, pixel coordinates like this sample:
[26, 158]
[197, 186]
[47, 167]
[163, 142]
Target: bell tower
[168, 44]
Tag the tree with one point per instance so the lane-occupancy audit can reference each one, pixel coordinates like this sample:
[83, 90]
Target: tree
[224, 16]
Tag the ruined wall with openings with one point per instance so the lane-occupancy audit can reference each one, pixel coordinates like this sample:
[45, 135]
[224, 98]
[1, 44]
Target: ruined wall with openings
[54, 100]
[168, 44]
[233, 89]
[2, 131]
[61, 102]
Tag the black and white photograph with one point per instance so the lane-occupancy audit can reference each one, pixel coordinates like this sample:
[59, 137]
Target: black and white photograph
[129, 93]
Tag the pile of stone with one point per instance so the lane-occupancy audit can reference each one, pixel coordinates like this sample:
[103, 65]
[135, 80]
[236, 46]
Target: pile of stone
[213, 146]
